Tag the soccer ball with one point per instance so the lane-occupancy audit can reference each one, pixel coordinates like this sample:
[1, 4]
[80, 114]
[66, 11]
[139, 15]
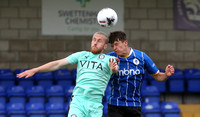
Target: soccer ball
[107, 17]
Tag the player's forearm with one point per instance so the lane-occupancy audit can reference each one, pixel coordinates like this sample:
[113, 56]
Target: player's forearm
[51, 66]
[160, 77]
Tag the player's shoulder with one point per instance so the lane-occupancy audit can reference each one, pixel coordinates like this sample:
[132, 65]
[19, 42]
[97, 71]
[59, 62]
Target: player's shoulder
[112, 54]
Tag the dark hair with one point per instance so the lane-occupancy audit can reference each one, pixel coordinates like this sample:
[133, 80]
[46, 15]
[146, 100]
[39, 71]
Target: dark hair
[117, 36]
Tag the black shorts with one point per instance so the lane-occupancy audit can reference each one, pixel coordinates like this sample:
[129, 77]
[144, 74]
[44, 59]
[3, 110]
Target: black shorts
[123, 111]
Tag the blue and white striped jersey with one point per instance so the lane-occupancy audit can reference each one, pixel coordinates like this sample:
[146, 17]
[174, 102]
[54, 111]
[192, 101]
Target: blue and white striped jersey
[126, 84]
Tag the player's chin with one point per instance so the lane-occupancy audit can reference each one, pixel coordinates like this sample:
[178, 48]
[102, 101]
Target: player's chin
[95, 51]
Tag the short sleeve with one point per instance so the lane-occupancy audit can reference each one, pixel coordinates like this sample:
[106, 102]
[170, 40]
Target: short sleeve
[73, 58]
[150, 65]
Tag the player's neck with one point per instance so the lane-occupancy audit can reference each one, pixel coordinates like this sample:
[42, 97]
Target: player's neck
[126, 53]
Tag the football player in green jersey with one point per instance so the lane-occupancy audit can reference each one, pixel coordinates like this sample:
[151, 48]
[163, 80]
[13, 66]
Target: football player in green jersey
[93, 74]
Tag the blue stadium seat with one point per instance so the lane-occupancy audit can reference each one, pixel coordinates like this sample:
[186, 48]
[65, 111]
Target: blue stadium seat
[68, 92]
[63, 77]
[2, 95]
[170, 109]
[22, 81]
[16, 94]
[16, 110]
[177, 81]
[74, 71]
[7, 78]
[44, 79]
[162, 86]
[55, 110]
[36, 94]
[55, 94]
[2, 110]
[150, 94]
[193, 79]
[66, 106]
[35, 110]
[151, 109]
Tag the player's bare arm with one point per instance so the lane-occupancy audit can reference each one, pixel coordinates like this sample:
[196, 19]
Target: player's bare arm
[51, 66]
[161, 77]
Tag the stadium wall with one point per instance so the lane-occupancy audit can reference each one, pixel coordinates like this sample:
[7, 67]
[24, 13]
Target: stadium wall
[148, 24]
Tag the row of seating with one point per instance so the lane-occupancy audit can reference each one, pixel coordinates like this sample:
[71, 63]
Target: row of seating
[186, 80]
[33, 94]
[33, 109]
[62, 77]
[163, 109]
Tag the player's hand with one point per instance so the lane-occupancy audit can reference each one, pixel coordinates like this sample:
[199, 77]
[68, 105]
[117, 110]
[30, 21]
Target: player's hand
[113, 65]
[26, 74]
[169, 70]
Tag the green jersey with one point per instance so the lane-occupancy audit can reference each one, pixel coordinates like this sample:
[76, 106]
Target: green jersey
[93, 73]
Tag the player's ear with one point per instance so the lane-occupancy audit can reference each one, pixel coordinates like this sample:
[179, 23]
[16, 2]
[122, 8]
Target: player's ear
[105, 46]
[126, 42]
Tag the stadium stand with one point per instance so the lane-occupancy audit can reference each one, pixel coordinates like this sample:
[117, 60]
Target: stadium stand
[68, 92]
[2, 95]
[16, 110]
[35, 94]
[193, 79]
[35, 110]
[151, 94]
[16, 94]
[178, 79]
[55, 110]
[44, 79]
[55, 94]
[7, 78]
[63, 77]
[151, 109]
[189, 110]
[22, 81]
[47, 97]
[170, 109]
[2, 110]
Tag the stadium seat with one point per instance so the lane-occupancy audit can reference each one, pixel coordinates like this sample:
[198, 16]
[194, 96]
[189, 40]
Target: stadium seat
[44, 79]
[16, 94]
[16, 110]
[55, 110]
[55, 94]
[150, 94]
[193, 79]
[162, 86]
[177, 81]
[74, 71]
[35, 110]
[7, 78]
[170, 109]
[68, 92]
[151, 109]
[2, 95]
[22, 81]
[63, 77]
[2, 110]
[66, 106]
[35, 94]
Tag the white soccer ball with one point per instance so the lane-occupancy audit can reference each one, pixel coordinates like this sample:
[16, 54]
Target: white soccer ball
[107, 17]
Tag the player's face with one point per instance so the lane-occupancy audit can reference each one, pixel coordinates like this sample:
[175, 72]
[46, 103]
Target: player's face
[120, 48]
[98, 44]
